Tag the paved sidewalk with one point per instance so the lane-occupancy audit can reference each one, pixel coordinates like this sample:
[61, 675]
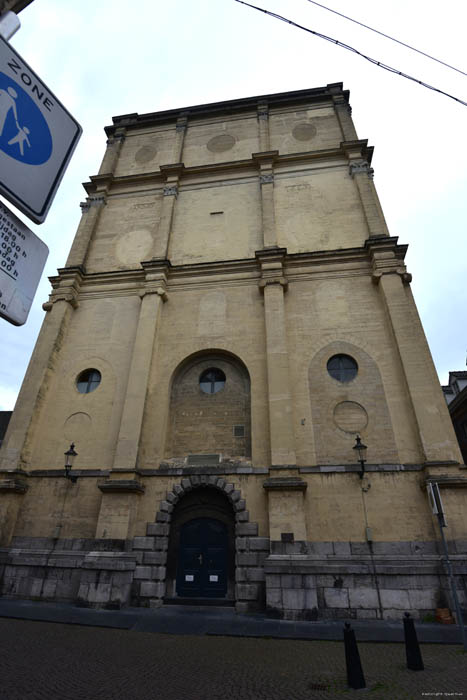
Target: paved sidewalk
[44, 661]
[183, 620]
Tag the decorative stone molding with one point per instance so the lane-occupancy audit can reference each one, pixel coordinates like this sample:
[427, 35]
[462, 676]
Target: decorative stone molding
[387, 258]
[266, 178]
[170, 190]
[122, 486]
[340, 101]
[361, 167]
[272, 267]
[160, 291]
[117, 137]
[251, 550]
[95, 200]
[405, 276]
[66, 286]
[70, 297]
[265, 157]
[283, 281]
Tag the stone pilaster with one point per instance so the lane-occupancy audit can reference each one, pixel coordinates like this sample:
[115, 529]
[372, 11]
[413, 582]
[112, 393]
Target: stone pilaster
[180, 132]
[437, 438]
[16, 448]
[119, 507]
[273, 285]
[265, 162]
[172, 174]
[359, 156]
[286, 509]
[152, 298]
[263, 126]
[112, 153]
[343, 111]
[91, 211]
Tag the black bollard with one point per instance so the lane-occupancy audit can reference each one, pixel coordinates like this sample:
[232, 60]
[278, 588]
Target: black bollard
[412, 648]
[355, 677]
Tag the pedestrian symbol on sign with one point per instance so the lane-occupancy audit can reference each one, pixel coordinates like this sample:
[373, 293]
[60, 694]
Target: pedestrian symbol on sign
[24, 133]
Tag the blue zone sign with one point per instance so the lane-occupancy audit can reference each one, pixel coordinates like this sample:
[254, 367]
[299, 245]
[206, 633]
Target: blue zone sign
[37, 137]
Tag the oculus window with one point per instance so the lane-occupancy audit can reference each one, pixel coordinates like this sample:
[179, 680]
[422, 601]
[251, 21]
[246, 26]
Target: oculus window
[342, 367]
[88, 381]
[212, 380]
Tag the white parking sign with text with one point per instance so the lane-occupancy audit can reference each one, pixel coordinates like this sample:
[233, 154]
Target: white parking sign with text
[22, 259]
[37, 137]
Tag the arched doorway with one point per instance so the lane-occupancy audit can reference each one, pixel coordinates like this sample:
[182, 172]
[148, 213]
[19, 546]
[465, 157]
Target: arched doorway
[201, 553]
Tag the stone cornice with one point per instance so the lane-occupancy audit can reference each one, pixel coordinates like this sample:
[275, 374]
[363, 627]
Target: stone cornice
[387, 257]
[65, 286]
[176, 174]
[270, 265]
[229, 107]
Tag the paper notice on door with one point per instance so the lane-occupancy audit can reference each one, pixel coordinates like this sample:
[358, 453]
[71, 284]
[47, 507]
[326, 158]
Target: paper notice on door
[213, 579]
[189, 577]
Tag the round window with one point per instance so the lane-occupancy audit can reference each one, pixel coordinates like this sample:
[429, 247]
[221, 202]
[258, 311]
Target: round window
[212, 380]
[88, 381]
[342, 367]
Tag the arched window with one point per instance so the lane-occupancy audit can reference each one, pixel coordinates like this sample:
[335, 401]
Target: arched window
[212, 380]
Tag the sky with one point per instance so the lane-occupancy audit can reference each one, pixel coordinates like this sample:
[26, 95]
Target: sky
[105, 58]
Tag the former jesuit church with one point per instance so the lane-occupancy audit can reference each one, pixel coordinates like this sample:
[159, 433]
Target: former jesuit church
[232, 314]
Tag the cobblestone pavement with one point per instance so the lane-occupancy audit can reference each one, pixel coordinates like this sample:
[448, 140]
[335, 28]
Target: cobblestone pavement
[45, 661]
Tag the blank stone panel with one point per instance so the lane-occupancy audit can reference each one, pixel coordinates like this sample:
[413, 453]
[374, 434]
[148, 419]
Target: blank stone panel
[219, 223]
[304, 130]
[126, 233]
[318, 211]
[145, 153]
[220, 142]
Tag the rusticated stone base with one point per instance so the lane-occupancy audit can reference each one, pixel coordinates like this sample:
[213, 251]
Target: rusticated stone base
[94, 573]
[326, 580]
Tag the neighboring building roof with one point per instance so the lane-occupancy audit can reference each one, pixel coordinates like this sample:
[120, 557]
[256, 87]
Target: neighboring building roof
[457, 383]
[455, 394]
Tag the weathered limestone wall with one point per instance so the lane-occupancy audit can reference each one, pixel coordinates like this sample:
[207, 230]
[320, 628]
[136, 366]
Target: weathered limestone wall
[247, 237]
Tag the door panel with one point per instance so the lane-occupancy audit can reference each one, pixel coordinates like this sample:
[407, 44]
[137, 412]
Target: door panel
[202, 560]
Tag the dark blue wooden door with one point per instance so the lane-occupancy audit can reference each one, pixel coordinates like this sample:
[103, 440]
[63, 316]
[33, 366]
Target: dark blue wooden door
[202, 559]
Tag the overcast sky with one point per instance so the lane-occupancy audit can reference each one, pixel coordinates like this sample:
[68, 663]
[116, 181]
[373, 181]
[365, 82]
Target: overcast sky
[101, 59]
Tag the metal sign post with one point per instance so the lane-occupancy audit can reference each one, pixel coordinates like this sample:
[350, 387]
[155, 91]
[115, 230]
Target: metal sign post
[37, 137]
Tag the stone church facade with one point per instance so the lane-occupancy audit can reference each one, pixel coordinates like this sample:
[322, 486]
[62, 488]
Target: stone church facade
[232, 314]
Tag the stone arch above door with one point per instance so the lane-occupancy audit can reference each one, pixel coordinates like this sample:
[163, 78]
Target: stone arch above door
[250, 549]
[202, 421]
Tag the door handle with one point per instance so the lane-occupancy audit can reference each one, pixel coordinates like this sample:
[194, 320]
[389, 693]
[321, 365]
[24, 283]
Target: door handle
[200, 559]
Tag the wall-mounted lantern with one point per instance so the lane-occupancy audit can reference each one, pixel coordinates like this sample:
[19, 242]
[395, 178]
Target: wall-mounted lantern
[361, 450]
[69, 459]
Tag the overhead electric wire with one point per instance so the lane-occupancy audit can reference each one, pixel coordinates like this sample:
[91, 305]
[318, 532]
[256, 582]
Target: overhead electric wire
[350, 48]
[387, 36]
